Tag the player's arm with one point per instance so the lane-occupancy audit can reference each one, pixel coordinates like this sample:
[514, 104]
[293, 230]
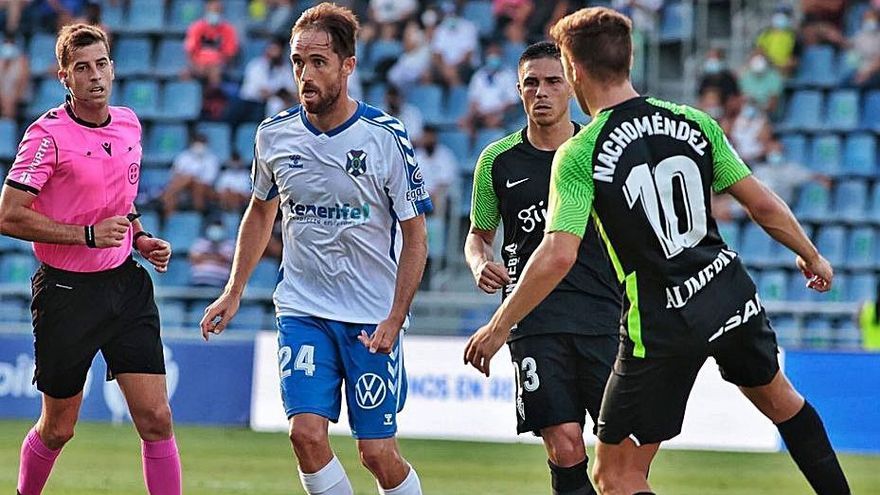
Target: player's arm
[488, 275]
[570, 203]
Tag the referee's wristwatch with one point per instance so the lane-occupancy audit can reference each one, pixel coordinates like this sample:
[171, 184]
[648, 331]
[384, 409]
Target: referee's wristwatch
[137, 236]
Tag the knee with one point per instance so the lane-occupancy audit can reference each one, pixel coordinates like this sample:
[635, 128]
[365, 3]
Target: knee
[54, 435]
[305, 440]
[605, 476]
[155, 423]
[567, 451]
[378, 458]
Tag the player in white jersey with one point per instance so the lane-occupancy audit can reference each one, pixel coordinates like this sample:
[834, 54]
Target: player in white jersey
[352, 201]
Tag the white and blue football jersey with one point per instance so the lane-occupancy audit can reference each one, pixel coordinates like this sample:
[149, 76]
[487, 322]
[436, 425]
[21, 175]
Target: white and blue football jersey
[343, 193]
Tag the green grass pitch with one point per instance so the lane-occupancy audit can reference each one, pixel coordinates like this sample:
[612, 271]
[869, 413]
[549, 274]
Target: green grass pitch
[106, 459]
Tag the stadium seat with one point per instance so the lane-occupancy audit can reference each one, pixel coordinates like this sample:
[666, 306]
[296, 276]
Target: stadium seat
[252, 47]
[794, 147]
[244, 140]
[231, 222]
[429, 99]
[862, 287]
[133, 56]
[730, 234]
[825, 154]
[170, 58]
[480, 13]
[182, 229]
[818, 67]
[456, 104]
[831, 242]
[786, 329]
[265, 275]
[181, 100]
[113, 14]
[375, 94]
[177, 274]
[152, 183]
[41, 55]
[843, 110]
[804, 112]
[252, 317]
[773, 285]
[145, 17]
[184, 13]
[847, 336]
[8, 139]
[757, 246]
[486, 136]
[14, 311]
[11, 244]
[875, 202]
[839, 290]
[150, 220]
[164, 142]
[459, 143]
[171, 313]
[675, 21]
[219, 138]
[142, 96]
[511, 51]
[859, 155]
[797, 288]
[17, 268]
[851, 199]
[871, 112]
[860, 247]
[818, 332]
[49, 94]
[380, 50]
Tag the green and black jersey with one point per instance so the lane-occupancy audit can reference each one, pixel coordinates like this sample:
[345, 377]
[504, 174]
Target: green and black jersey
[511, 184]
[643, 171]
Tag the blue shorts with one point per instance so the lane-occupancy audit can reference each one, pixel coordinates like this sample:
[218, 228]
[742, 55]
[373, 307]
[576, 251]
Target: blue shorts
[315, 356]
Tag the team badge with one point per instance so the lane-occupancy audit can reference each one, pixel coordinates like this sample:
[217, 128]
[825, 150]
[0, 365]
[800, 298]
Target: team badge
[356, 162]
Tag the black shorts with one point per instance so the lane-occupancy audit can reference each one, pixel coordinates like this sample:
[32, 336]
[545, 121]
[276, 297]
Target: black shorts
[77, 314]
[646, 398]
[560, 377]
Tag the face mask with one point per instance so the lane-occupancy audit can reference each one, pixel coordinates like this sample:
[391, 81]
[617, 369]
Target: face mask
[749, 112]
[8, 51]
[198, 148]
[779, 21]
[870, 25]
[758, 64]
[712, 66]
[429, 18]
[215, 233]
[212, 18]
[493, 62]
[774, 158]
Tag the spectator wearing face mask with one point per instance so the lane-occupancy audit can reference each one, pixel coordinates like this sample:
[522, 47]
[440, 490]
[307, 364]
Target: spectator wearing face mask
[491, 93]
[748, 128]
[210, 257]
[264, 76]
[211, 43]
[234, 184]
[783, 176]
[415, 62]
[194, 171]
[779, 41]
[716, 74]
[455, 41]
[710, 102]
[15, 75]
[864, 55]
[762, 83]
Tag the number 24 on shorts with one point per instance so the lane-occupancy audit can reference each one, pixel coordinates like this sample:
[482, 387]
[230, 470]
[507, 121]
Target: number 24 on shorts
[305, 360]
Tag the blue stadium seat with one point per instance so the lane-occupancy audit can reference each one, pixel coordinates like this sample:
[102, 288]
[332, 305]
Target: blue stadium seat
[847, 336]
[8, 139]
[253, 47]
[675, 21]
[480, 13]
[133, 57]
[860, 155]
[429, 99]
[839, 290]
[184, 13]
[860, 247]
[862, 287]
[380, 50]
[145, 16]
[871, 112]
[875, 202]
[182, 229]
[164, 142]
[177, 274]
[231, 221]
[142, 96]
[843, 110]
[41, 54]
[825, 154]
[818, 332]
[11, 245]
[486, 136]
[152, 183]
[851, 199]
[794, 147]
[14, 311]
[375, 95]
[150, 220]
[17, 268]
[49, 94]
[804, 111]
[171, 313]
[577, 114]
[459, 143]
[773, 285]
[511, 52]
[757, 246]
[219, 138]
[831, 242]
[813, 203]
[797, 288]
[730, 234]
[818, 67]
[787, 331]
[455, 107]
[250, 316]
[113, 14]
[265, 275]
[181, 100]
[170, 58]
[244, 140]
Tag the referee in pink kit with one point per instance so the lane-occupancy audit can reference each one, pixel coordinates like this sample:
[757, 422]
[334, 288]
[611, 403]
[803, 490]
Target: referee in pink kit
[71, 191]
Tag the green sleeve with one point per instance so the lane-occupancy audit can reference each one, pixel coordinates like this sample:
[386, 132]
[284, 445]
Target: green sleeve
[484, 202]
[727, 167]
[571, 187]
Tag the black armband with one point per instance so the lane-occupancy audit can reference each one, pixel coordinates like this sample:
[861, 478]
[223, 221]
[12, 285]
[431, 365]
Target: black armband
[90, 236]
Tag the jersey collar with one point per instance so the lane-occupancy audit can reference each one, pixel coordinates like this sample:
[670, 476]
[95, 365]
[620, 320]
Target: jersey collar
[338, 129]
[69, 109]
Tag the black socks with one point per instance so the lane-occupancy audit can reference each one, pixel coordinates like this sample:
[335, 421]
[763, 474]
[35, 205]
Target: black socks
[572, 480]
[807, 442]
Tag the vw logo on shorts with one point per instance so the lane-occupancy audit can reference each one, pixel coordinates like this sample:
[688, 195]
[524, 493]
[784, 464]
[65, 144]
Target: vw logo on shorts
[369, 391]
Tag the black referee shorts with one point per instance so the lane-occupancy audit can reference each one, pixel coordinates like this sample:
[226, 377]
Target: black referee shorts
[77, 314]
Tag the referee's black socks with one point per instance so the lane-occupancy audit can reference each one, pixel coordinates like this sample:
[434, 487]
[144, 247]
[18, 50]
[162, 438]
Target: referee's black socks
[807, 442]
[572, 480]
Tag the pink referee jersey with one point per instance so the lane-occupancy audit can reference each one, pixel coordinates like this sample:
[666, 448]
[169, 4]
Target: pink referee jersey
[80, 173]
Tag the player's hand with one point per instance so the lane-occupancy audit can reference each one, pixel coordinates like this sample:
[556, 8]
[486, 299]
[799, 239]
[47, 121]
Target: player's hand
[111, 232]
[818, 272]
[491, 276]
[482, 345]
[156, 251]
[219, 313]
[384, 338]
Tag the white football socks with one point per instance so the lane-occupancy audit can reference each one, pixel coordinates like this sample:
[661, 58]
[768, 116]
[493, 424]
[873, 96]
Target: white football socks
[329, 480]
[409, 486]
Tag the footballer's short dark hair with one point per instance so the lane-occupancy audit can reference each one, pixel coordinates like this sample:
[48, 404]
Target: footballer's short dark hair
[541, 49]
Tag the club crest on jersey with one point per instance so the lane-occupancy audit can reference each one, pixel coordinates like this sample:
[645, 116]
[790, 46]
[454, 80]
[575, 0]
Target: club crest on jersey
[356, 162]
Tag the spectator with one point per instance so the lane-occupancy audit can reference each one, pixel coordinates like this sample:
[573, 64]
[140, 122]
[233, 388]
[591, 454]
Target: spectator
[822, 23]
[779, 41]
[491, 93]
[710, 102]
[10, 14]
[282, 100]
[439, 168]
[194, 171]
[762, 83]
[717, 75]
[410, 115]
[92, 16]
[642, 12]
[865, 53]
[264, 77]
[392, 11]
[454, 44]
[234, 184]
[748, 128]
[210, 257]
[512, 19]
[50, 15]
[211, 43]
[15, 75]
[280, 17]
[415, 61]
[782, 176]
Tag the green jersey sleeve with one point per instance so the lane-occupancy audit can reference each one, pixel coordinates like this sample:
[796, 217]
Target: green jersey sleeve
[485, 214]
[727, 167]
[571, 187]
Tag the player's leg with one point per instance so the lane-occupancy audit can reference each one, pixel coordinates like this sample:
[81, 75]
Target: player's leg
[375, 388]
[567, 458]
[747, 358]
[44, 441]
[620, 468]
[311, 377]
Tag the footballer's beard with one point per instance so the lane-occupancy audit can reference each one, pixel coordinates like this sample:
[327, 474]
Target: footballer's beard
[323, 104]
